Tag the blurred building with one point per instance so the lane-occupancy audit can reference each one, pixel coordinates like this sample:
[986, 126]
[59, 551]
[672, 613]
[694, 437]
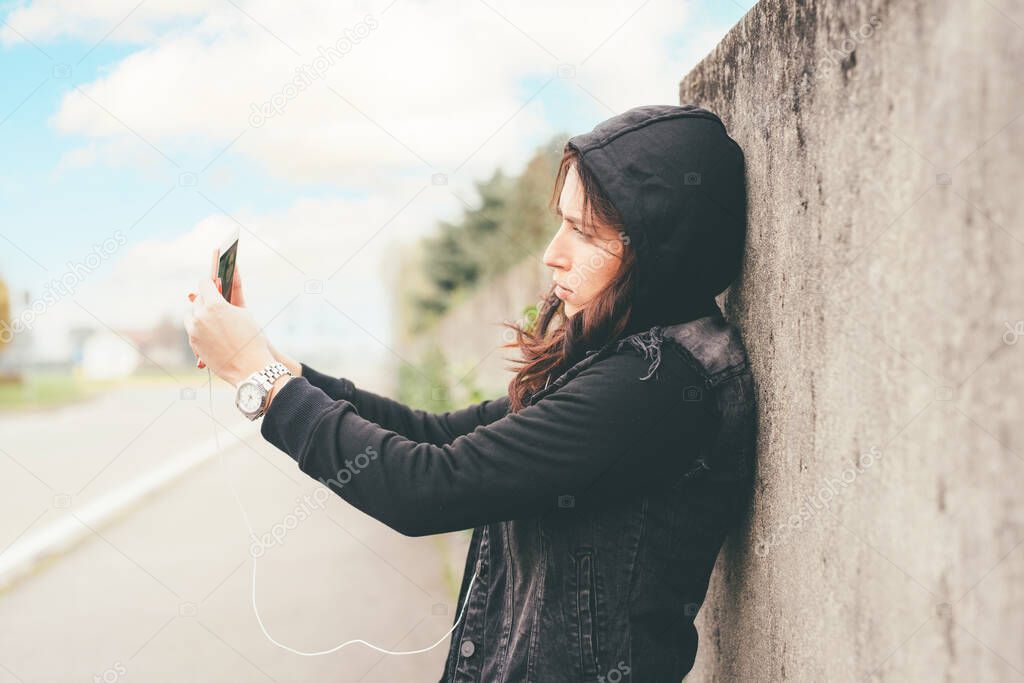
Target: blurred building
[101, 353]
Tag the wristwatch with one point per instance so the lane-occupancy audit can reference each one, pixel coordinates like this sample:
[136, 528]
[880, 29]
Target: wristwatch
[252, 392]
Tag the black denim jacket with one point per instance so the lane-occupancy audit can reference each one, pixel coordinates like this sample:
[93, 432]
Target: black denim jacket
[592, 587]
[610, 594]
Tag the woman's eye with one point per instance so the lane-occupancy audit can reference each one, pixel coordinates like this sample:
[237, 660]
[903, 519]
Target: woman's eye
[578, 231]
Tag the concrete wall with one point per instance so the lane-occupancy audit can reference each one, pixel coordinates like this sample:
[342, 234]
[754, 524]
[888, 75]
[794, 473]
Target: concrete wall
[882, 302]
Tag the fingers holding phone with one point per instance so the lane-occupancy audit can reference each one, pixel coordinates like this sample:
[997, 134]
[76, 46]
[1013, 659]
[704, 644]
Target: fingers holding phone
[223, 272]
[226, 280]
[237, 295]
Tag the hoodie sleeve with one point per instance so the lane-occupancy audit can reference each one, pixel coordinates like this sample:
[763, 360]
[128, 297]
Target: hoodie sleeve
[603, 436]
[417, 425]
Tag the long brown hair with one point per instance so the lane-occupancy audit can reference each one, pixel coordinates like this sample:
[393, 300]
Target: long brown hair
[548, 349]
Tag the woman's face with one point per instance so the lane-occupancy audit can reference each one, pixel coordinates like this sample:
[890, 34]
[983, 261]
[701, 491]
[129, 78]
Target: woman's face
[583, 262]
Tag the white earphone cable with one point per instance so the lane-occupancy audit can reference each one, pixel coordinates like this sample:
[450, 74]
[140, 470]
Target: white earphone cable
[252, 535]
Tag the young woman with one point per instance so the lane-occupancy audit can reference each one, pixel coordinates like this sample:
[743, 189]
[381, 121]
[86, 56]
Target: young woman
[602, 486]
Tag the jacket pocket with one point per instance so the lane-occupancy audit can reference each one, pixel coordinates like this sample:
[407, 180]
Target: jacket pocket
[585, 608]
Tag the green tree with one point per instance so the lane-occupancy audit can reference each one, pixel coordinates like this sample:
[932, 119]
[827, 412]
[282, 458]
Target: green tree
[507, 222]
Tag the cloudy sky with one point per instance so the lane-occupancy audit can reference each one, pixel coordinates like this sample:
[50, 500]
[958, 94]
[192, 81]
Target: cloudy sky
[135, 132]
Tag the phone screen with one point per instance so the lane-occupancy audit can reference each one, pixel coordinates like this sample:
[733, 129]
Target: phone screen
[226, 269]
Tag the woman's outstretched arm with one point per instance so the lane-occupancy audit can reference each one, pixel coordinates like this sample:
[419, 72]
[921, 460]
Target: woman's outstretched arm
[603, 436]
[417, 425]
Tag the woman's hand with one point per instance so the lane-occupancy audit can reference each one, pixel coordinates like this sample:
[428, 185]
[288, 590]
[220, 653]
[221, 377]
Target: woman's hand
[225, 336]
[238, 299]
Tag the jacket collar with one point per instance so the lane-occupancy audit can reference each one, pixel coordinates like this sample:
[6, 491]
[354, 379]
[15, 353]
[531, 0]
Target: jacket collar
[710, 340]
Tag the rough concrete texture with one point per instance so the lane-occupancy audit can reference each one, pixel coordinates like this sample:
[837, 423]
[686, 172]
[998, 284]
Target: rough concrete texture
[882, 303]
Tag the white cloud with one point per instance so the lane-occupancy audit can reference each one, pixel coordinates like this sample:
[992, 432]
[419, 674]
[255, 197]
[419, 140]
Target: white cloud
[430, 87]
[426, 83]
[128, 21]
[345, 244]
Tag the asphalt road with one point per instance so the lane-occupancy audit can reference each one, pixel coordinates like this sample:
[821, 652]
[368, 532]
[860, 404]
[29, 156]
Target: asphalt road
[164, 592]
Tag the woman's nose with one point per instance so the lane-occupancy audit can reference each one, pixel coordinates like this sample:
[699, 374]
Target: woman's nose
[555, 255]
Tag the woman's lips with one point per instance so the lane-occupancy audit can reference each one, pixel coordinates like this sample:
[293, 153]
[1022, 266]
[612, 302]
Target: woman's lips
[561, 292]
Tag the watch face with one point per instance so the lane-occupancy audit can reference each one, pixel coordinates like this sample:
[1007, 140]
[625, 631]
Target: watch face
[249, 397]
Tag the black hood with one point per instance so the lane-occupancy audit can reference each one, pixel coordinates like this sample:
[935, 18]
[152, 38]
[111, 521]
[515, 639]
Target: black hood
[677, 179]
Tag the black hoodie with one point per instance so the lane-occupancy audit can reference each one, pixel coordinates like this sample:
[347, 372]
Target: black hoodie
[597, 485]
[677, 179]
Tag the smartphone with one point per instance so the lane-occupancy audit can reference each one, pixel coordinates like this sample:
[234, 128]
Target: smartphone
[223, 265]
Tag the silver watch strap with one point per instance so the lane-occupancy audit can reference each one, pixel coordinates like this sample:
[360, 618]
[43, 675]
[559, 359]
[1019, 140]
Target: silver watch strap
[269, 374]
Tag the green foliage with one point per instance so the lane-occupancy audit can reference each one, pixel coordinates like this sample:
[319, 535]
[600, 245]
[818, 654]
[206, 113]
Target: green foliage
[44, 390]
[435, 386]
[510, 222]
[425, 386]
[529, 315]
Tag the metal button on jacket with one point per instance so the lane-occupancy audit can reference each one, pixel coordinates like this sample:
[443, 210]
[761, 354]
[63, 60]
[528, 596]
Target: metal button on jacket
[467, 648]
